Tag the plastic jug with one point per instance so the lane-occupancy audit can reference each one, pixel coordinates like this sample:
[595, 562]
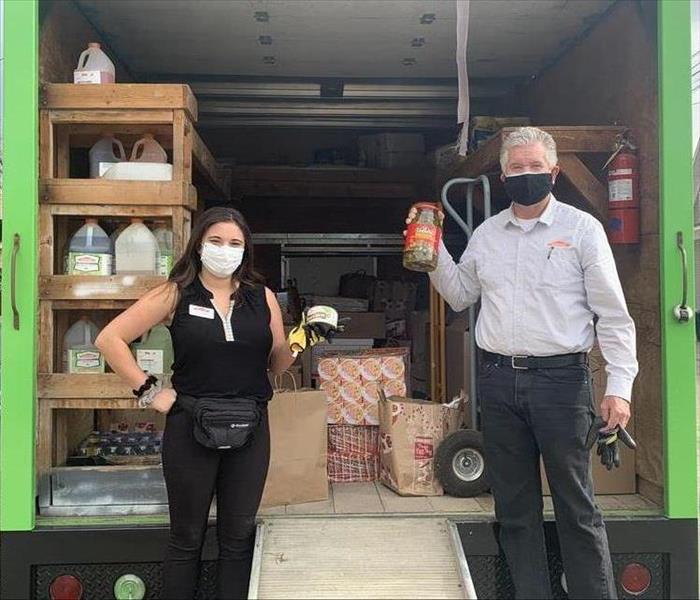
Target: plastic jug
[154, 353]
[113, 239]
[90, 251]
[79, 352]
[164, 237]
[102, 155]
[147, 149]
[136, 250]
[94, 66]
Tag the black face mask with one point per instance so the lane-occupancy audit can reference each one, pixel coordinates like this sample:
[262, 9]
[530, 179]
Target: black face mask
[528, 189]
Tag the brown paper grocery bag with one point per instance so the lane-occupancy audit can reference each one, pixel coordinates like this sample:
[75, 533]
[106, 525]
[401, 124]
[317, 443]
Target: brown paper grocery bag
[410, 432]
[298, 448]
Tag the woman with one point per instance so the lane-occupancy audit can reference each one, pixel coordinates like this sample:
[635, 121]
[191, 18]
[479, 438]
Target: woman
[227, 331]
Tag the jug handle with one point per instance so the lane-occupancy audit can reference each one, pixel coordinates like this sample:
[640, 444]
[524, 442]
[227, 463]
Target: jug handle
[118, 144]
[134, 150]
[81, 63]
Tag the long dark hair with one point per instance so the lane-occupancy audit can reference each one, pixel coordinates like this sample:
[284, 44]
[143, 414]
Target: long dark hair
[190, 263]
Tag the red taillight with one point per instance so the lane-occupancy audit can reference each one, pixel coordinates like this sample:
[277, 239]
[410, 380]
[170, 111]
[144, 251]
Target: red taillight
[66, 587]
[635, 579]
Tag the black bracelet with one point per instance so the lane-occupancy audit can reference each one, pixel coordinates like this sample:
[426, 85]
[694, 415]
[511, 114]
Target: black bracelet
[150, 381]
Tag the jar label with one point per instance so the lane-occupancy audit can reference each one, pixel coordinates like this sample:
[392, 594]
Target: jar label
[421, 234]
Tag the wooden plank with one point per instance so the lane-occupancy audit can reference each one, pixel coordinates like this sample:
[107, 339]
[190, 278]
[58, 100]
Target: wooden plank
[88, 305]
[46, 241]
[46, 147]
[181, 223]
[217, 176]
[586, 183]
[45, 362]
[44, 439]
[60, 437]
[98, 386]
[312, 189]
[569, 140]
[356, 498]
[117, 193]
[182, 147]
[329, 174]
[90, 287]
[63, 140]
[91, 403]
[119, 96]
[111, 117]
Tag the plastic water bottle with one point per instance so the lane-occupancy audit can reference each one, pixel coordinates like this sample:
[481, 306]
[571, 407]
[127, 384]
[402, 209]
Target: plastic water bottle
[113, 239]
[79, 352]
[103, 155]
[136, 250]
[90, 251]
[147, 149]
[164, 237]
[94, 66]
[154, 353]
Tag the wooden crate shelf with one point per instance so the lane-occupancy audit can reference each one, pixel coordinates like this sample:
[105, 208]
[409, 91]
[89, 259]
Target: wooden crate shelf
[75, 116]
[86, 287]
[571, 141]
[120, 193]
[53, 235]
[84, 390]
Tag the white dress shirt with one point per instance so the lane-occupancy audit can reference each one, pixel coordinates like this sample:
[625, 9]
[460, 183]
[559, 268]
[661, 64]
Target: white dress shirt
[541, 287]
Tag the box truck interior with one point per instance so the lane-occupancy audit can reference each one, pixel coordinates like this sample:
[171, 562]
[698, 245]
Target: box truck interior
[287, 94]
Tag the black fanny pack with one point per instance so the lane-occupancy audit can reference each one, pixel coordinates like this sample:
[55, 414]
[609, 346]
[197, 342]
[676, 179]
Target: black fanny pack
[223, 423]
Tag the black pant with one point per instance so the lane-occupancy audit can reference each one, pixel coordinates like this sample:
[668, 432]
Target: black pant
[547, 412]
[192, 474]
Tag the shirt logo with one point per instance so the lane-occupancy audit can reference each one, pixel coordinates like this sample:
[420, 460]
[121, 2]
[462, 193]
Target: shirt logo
[201, 311]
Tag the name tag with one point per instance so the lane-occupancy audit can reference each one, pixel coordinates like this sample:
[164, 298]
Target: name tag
[201, 311]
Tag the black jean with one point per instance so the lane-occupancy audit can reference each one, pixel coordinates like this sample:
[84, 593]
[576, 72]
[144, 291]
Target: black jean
[193, 474]
[544, 412]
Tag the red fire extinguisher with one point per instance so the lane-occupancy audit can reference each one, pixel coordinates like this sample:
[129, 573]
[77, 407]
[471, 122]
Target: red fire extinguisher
[623, 195]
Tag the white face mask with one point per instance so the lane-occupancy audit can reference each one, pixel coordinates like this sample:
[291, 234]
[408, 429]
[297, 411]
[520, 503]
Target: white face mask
[221, 261]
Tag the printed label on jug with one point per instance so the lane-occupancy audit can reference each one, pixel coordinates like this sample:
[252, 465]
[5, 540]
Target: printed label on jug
[165, 264]
[80, 263]
[85, 361]
[92, 77]
[150, 361]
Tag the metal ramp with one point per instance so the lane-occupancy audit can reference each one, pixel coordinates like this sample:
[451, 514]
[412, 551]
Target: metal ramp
[359, 557]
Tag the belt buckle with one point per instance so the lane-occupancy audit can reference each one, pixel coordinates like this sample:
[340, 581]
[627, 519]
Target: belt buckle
[512, 363]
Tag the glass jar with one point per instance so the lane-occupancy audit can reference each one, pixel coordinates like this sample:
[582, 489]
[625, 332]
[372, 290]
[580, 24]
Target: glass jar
[423, 236]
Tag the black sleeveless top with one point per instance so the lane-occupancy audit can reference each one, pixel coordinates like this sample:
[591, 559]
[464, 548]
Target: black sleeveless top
[213, 359]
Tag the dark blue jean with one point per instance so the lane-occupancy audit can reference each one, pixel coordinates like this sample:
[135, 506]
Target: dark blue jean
[544, 412]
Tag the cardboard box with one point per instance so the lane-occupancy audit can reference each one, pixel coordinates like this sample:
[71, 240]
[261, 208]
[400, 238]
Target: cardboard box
[364, 325]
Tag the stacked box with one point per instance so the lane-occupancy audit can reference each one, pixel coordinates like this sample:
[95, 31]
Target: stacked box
[353, 453]
[352, 383]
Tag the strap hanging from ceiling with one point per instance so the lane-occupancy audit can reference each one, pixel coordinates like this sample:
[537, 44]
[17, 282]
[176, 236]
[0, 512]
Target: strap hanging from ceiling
[462, 77]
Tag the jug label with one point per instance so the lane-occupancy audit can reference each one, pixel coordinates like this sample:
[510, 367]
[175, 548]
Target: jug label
[92, 77]
[81, 263]
[150, 361]
[165, 264]
[85, 361]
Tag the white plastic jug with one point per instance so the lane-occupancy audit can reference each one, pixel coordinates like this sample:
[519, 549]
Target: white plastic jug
[94, 66]
[154, 353]
[136, 250]
[164, 237]
[148, 150]
[79, 352]
[103, 156]
[113, 239]
[90, 251]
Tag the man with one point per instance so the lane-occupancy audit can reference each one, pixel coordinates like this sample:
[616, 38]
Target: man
[544, 271]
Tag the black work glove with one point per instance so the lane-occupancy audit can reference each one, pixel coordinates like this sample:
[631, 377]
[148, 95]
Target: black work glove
[608, 450]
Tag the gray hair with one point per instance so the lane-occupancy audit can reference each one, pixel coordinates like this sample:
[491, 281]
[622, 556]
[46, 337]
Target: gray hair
[524, 136]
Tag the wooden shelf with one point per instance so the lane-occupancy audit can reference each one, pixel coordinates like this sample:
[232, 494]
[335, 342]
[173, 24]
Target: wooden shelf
[571, 141]
[124, 96]
[84, 390]
[81, 288]
[330, 182]
[120, 193]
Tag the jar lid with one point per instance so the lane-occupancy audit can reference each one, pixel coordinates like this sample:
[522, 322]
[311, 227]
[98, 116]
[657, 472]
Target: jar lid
[426, 205]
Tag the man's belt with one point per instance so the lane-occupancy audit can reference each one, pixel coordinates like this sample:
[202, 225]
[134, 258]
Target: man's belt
[536, 362]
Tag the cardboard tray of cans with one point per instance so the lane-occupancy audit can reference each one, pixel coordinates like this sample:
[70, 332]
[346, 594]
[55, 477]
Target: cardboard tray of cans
[352, 383]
